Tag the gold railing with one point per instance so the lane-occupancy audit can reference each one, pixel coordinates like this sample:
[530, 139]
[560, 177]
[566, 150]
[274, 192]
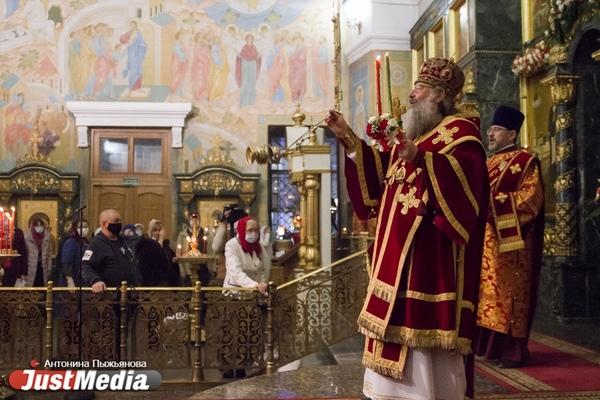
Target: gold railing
[182, 332]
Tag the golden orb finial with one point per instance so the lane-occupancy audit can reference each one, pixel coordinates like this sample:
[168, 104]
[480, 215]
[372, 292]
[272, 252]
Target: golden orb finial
[298, 116]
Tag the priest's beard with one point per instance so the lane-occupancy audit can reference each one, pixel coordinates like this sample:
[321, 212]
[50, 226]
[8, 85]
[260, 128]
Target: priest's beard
[420, 118]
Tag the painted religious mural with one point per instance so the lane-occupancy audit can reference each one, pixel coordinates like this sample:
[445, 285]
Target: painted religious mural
[235, 60]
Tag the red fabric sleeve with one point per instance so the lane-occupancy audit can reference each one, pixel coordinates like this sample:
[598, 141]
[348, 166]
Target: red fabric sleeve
[364, 179]
[456, 183]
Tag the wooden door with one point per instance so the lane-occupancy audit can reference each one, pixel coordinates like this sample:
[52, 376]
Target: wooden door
[130, 173]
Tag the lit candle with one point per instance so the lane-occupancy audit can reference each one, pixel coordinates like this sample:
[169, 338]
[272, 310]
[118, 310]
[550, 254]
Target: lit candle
[204, 244]
[389, 81]
[378, 84]
[2, 228]
[10, 232]
[194, 226]
[12, 225]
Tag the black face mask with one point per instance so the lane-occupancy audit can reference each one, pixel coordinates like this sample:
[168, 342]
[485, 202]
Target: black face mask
[115, 228]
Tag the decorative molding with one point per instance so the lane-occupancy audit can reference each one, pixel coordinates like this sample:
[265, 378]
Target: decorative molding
[216, 183]
[378, 42]
[564, 181]
[565, 150]
[397, 2]
[129, 114]
[217, 180]
[470, 86]
[564, 120]
[562, 87]
[565, 240]
[34, 182]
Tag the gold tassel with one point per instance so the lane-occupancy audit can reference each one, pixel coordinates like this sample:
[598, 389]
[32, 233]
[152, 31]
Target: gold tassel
[372, 364]
[370, 329]
[461, 345]
[384, 292]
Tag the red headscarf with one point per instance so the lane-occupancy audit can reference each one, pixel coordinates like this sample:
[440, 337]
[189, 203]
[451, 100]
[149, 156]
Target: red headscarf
[38, 238]
[241, 235]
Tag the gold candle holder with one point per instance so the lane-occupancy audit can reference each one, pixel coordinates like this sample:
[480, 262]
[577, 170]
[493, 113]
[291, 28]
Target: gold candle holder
[193, 251]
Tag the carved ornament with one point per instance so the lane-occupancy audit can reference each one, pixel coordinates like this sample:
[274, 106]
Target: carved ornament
[566, 243]
[562, 87]
[564, 121]
[186, 186]
[565, 181]
[469, 87]
[220, 153]
[217, 183]
[34, 181]
[564, 150]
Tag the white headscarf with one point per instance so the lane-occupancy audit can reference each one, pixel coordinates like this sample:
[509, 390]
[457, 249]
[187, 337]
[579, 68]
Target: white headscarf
[151, 225]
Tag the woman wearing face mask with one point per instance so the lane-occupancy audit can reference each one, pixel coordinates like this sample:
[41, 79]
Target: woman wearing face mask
[247, 262]
[247, 265]
[37, 240]
[73, 249]
[131, 238]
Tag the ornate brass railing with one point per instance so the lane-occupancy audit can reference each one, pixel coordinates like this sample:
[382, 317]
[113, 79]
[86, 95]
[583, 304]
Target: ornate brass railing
[183, 332]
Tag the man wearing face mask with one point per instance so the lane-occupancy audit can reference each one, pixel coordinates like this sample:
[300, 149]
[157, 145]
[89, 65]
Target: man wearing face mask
[107, 262]
[72, 251]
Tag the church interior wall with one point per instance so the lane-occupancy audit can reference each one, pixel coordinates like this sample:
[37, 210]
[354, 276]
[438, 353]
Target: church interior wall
[235, 60]
[558, 97]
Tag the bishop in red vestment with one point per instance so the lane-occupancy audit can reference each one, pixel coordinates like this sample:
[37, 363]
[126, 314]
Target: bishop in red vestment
[513, 245]
[429, 194]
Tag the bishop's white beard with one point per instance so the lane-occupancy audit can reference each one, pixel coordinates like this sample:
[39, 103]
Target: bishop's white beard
[420, 118]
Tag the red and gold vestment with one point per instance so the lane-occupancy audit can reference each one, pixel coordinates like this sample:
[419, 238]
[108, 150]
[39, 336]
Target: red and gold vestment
[426, 258]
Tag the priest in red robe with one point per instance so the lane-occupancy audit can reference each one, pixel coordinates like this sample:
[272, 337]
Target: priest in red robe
[513, 245]
[429, 194]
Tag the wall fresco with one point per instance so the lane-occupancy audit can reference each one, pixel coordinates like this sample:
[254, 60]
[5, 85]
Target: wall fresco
[233, 59]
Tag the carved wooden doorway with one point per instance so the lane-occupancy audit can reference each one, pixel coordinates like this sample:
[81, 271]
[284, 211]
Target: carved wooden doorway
[130, 172]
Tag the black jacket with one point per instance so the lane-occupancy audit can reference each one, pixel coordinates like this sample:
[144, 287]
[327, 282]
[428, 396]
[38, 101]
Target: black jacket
[153, 263]
[109, 261]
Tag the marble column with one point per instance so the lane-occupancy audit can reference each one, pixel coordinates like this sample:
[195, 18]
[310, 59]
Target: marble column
[568, 294]
[562, 88]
